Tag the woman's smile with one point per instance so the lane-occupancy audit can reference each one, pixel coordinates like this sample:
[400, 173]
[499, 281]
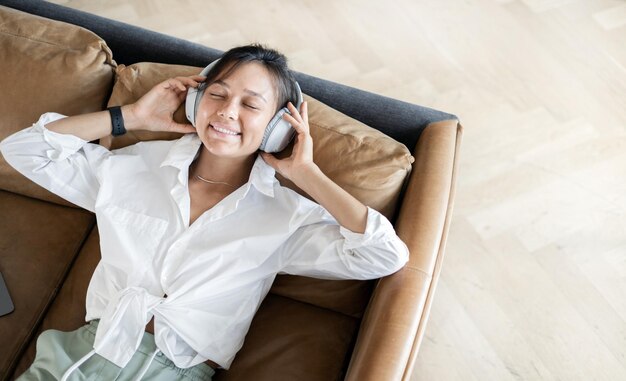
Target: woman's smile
[224, 132]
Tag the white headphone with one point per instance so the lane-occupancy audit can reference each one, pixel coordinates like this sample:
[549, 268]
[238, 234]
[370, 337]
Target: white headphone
[278, 132]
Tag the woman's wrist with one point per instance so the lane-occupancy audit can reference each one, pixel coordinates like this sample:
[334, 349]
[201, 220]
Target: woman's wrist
[131, 122]
[308, 176]
[347, 210]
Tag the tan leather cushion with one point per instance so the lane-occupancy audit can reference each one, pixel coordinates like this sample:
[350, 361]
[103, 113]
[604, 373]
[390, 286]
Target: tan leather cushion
[67, 311]
[289, 340]
[365, 162]
[47, 65]
[39, 242]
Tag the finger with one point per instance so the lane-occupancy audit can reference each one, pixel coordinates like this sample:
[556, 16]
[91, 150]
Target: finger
[292, 121]
[294, 112]
[299, 127]
[179, 85]
[171, 84]
[305, 110]
[190, 81]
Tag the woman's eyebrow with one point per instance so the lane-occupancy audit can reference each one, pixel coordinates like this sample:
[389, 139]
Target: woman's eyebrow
[254, 93]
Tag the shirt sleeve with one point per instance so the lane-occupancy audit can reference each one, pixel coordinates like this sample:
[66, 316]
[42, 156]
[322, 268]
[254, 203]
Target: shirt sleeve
[64, 164]
[326, 250]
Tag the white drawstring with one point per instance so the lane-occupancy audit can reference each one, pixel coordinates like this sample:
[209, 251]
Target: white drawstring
[145, 367]
[77, 364]
[131, 303]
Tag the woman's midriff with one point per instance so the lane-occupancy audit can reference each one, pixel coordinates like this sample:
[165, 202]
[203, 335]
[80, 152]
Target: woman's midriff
[150, 329]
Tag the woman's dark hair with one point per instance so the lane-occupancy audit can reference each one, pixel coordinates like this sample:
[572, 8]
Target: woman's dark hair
[274, 61]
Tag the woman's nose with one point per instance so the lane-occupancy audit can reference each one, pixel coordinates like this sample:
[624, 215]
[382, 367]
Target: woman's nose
[229, 110]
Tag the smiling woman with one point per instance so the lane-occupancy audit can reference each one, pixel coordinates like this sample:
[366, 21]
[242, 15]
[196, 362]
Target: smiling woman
[162, 231]
[231, 121]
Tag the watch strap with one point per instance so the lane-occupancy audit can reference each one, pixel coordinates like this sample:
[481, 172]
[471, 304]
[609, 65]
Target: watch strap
[117, 121]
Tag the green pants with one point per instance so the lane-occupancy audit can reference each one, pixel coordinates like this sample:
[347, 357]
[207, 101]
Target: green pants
[57, 351]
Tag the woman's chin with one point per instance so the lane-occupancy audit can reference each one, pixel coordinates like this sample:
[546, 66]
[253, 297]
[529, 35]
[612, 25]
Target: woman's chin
[221, 149]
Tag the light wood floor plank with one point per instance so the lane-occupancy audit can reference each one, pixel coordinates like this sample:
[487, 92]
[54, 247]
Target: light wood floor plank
[533, 285]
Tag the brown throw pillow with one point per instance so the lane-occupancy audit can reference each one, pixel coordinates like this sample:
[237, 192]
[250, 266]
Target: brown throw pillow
[47, 65]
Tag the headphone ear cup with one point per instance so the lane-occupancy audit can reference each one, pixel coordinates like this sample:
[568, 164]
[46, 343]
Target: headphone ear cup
[278, 133]
[198, 97]
[194, 95]
[191, 103]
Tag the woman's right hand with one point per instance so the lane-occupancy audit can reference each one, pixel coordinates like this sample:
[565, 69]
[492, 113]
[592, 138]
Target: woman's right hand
[154, 111]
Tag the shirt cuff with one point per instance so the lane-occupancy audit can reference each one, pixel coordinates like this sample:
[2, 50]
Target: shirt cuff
[63, 145]
[377, 230]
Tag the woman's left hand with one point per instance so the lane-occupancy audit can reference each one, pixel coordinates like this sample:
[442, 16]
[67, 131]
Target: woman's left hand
[301, 160]
[306, 175]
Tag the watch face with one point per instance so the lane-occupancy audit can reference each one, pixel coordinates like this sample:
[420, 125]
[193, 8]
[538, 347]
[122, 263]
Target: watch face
[6, 305]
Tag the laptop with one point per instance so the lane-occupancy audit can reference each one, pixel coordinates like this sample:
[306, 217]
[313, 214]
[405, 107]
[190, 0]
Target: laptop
[6, 305]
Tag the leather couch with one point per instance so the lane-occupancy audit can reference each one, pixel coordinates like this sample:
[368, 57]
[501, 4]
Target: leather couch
[306, 329]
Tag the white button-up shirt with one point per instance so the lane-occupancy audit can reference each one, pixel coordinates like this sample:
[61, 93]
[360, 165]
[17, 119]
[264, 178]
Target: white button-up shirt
[216, 272]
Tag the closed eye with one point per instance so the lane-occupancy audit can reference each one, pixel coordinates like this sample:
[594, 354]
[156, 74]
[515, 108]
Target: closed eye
[247, 105]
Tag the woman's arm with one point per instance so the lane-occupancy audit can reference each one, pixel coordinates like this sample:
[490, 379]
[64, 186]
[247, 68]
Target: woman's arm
[300, 168]
[92, 126]
[363, 246]
[347, 210]
[152, 112]
[64, 164]
[56, 152]
[321, 248]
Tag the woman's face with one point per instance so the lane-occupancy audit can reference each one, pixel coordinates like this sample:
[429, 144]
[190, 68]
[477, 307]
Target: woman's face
[244, 102]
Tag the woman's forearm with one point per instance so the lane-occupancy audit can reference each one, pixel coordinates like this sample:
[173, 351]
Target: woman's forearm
[347, 210]
[92, 126]
[153, 111]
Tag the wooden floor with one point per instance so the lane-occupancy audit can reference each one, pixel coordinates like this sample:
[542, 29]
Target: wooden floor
[533, 285]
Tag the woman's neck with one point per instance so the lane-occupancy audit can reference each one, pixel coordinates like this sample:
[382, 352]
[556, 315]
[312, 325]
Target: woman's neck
[234, 171]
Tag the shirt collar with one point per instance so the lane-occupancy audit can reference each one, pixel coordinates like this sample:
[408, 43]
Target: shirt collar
[186, 149]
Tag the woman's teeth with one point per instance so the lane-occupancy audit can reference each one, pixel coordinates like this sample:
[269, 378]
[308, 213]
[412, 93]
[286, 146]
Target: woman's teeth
[224, 131]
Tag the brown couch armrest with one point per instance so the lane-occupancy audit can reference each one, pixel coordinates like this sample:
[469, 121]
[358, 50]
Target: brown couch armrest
[395, 319]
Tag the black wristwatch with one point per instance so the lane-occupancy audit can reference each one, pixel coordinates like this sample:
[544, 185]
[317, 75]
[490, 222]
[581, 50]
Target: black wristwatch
[117, 121]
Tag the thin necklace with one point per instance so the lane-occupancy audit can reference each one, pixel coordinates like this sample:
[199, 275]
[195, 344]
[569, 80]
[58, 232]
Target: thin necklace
[212, 182]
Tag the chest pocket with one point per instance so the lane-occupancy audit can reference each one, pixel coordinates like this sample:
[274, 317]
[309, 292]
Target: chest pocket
[128, 237]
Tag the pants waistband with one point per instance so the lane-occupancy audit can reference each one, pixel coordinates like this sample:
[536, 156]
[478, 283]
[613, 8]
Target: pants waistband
[147, 346]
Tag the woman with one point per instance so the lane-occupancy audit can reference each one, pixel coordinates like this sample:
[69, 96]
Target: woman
[193, 231]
